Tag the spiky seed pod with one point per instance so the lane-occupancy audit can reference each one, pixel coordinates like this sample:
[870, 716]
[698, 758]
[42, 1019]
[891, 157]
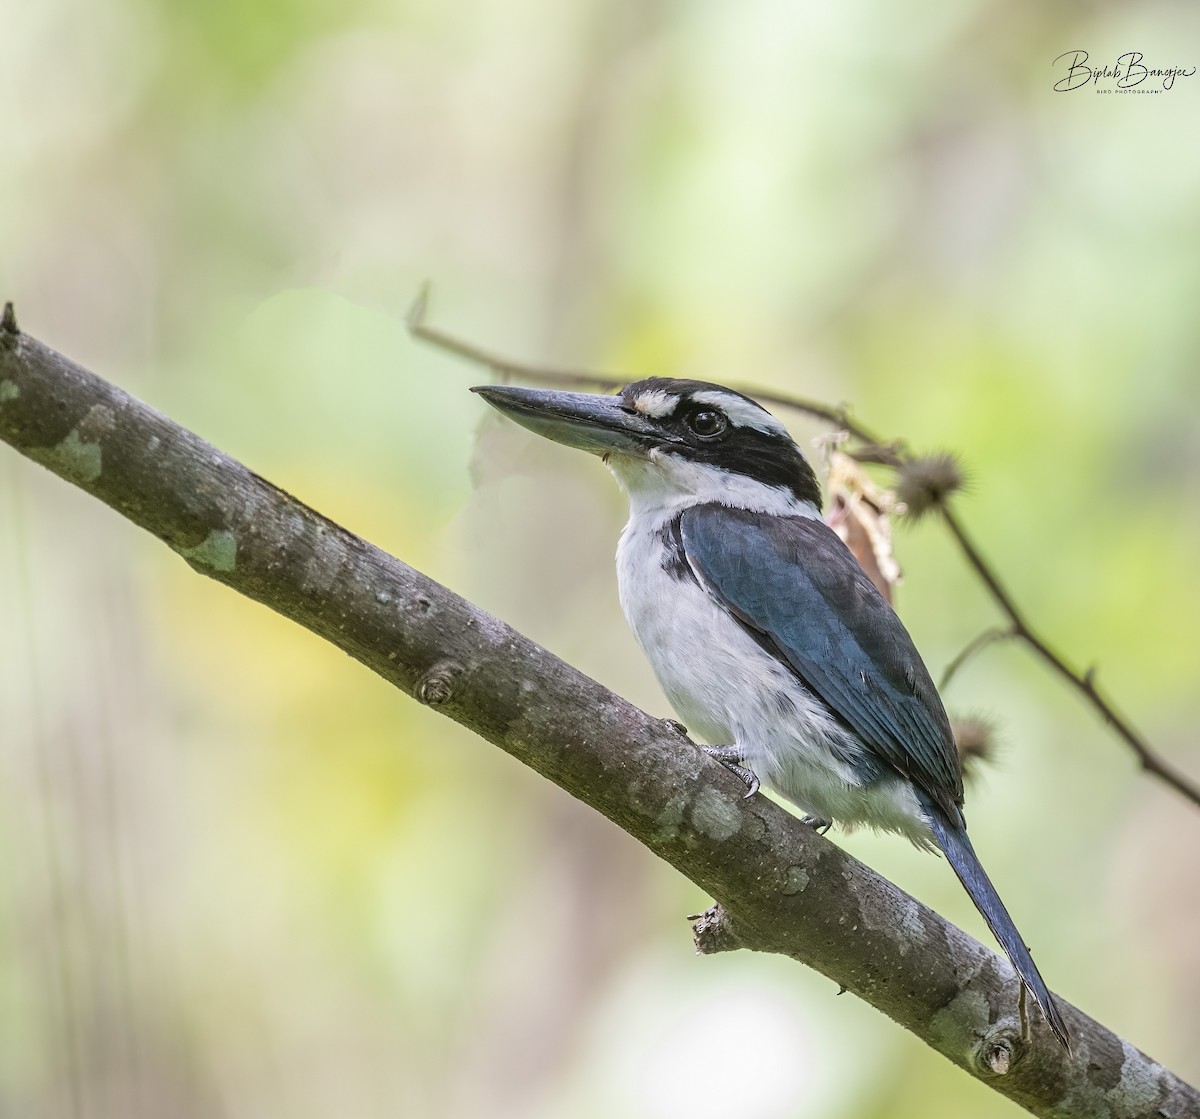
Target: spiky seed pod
[926, 483]
[975, 739]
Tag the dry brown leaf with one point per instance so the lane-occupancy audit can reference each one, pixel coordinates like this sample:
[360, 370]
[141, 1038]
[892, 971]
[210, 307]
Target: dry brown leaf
[859, 513]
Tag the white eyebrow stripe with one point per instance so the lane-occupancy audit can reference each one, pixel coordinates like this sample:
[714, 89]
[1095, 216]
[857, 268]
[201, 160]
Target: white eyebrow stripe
[656, 404]
[741, 413]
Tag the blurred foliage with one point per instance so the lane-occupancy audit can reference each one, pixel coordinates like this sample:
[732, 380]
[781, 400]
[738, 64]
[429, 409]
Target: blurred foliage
[238, 875]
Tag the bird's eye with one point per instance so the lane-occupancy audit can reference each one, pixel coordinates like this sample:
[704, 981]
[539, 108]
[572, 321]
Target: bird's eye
[707, 423]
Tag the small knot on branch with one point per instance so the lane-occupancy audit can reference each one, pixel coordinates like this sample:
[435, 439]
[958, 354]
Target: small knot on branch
[713, 932]
[436, 686]
[998, 1051]
[421, 604]
[927, 483]
[8, 320]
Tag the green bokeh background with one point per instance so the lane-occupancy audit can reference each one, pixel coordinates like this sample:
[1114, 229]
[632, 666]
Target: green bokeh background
[239, 876]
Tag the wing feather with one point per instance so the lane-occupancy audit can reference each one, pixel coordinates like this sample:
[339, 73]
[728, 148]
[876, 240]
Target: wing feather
[794, 584]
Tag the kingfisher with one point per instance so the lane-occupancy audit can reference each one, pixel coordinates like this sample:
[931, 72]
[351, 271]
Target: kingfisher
[763, 630]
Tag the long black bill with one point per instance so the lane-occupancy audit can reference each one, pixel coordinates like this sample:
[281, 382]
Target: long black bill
[584, 420]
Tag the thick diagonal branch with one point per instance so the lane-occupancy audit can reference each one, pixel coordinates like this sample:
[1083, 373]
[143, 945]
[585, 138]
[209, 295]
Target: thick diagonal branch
[780, 887]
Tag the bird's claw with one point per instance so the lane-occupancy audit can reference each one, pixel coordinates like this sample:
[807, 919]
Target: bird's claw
[818, 825]
[731, 758]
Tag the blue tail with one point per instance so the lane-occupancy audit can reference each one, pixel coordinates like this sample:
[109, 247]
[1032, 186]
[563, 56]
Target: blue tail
[958, 850]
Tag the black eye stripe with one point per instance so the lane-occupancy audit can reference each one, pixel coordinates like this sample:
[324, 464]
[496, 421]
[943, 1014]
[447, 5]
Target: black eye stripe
[769, 457]
[761, 457]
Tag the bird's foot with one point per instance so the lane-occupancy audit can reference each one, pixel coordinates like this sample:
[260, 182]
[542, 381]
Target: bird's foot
[731, 758]
[817, 824]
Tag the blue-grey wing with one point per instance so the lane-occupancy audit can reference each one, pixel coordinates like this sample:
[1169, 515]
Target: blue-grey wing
[794, 584]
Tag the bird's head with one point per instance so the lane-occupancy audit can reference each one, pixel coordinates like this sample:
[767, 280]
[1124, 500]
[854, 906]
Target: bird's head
[673, 442]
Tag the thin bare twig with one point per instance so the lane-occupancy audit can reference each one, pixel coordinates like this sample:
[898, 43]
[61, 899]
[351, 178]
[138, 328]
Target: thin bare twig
[1084, 683]
[506, 367]
[877, 450]
[502, 367]
[976, 645]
